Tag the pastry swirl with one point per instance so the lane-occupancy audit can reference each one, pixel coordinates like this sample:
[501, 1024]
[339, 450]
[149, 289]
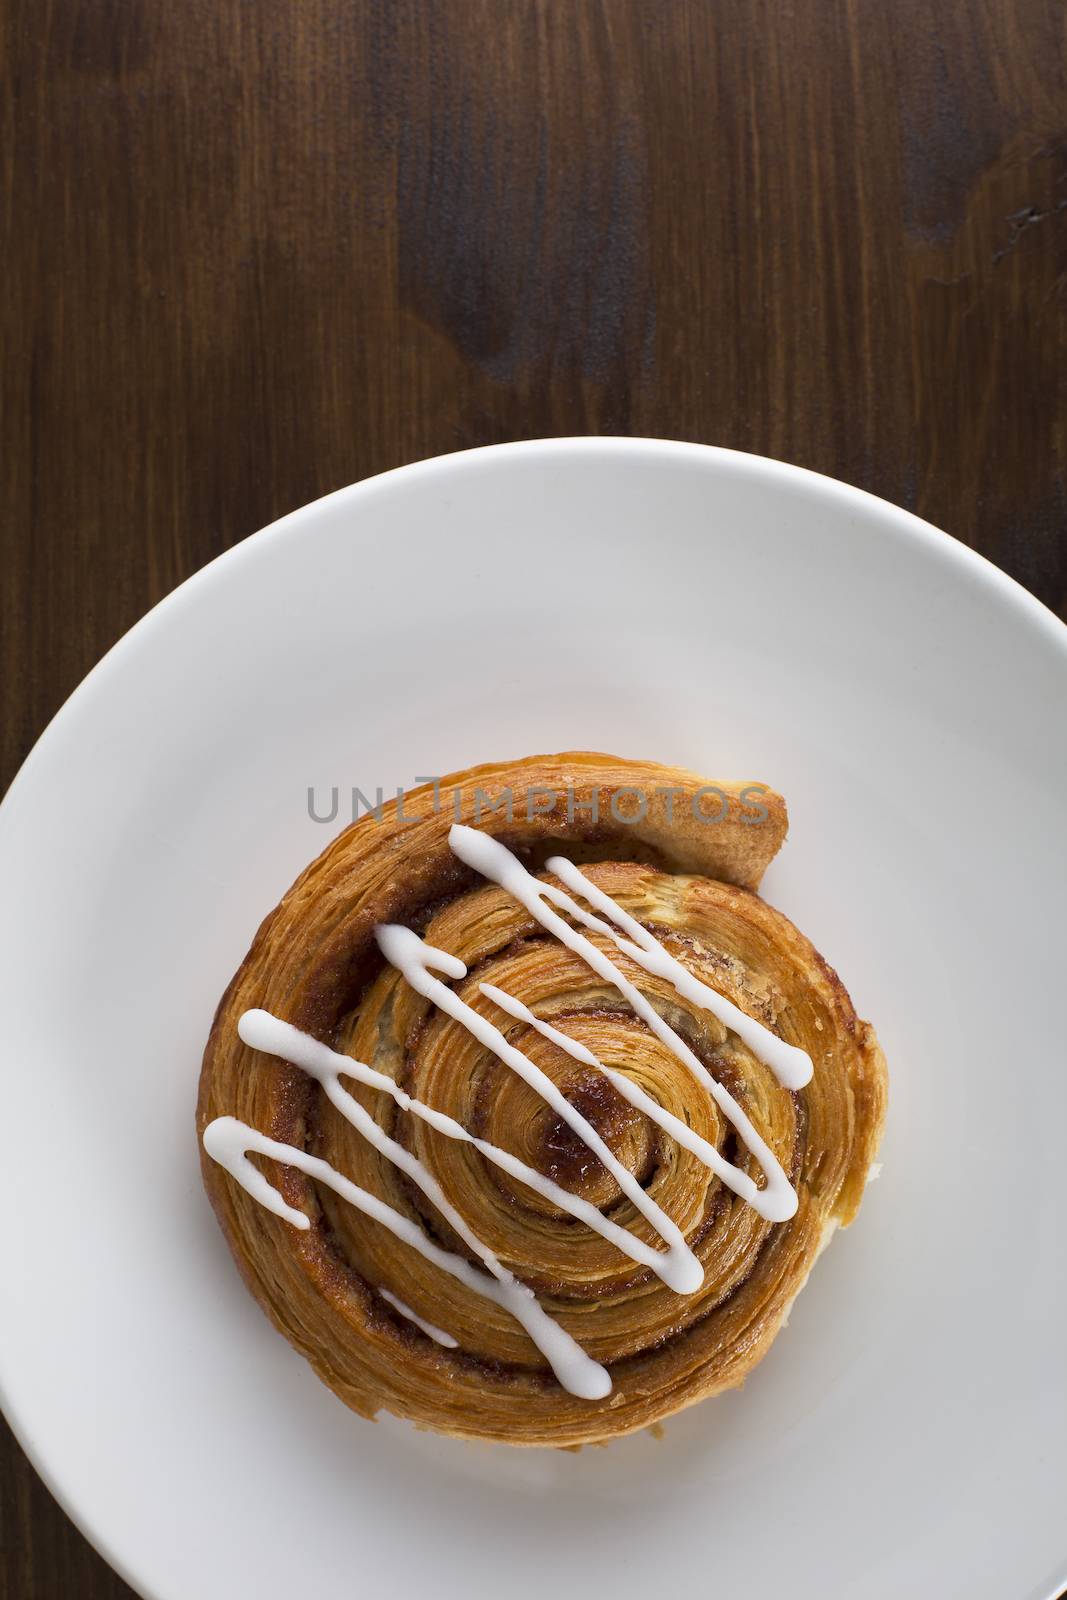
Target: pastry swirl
[515, 1182]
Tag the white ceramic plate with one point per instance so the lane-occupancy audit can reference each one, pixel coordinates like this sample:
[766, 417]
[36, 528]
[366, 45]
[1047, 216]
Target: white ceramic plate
[713, 610]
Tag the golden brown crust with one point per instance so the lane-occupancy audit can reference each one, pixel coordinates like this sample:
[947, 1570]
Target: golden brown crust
[314, 962]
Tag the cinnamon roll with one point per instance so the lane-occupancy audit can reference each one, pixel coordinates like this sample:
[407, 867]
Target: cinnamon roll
[525, 1117]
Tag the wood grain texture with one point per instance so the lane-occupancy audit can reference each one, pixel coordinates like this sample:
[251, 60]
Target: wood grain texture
[254, 252]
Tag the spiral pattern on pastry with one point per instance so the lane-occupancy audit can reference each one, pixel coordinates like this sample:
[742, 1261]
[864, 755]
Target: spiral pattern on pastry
[335, 1289]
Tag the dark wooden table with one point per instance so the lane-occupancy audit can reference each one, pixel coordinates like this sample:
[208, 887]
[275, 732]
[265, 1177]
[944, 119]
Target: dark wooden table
[255, 251]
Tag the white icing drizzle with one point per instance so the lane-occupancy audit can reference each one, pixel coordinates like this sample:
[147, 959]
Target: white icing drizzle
[228, 1142]
[777, 1201]
[274, 1037]
[418, 961]
[438, 1335]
